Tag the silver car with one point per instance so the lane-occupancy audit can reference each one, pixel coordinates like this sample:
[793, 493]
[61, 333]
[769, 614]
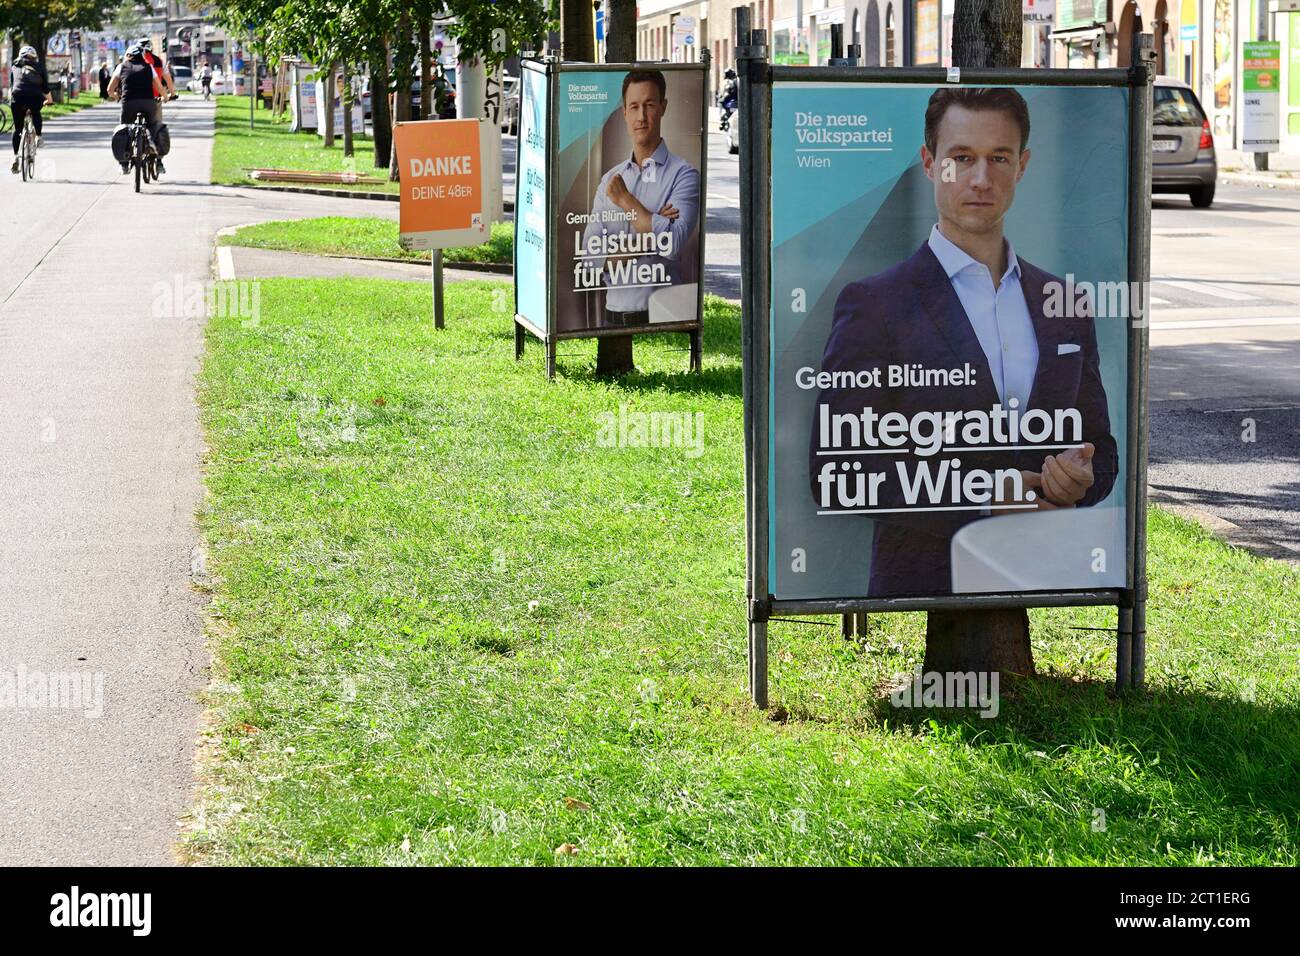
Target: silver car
[1182, 145]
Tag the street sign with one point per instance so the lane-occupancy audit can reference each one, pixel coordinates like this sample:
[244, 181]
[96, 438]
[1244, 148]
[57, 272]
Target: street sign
[1261, 71]
[450, 188]
[1189, 32]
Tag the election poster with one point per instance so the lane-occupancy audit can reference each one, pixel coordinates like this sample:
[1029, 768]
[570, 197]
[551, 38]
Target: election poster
[950, 322]
[628, 173]
[531, 215]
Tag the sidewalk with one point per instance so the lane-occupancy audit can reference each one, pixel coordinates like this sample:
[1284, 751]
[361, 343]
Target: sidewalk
[244, 262]
[1239, 168]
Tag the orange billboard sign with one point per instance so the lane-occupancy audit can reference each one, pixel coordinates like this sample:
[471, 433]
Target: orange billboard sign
[450, 174]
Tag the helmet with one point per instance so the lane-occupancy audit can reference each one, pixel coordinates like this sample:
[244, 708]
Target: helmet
[134, 53]
[145, 43]
[28, 53]
[730, 74]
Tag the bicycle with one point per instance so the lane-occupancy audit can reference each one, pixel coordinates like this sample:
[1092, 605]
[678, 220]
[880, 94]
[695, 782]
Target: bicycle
[27, 149]
[144, 154]
[4, 118]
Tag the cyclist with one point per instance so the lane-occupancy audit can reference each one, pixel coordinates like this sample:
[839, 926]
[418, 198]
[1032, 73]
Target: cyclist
[31, 91]
[137, 85]
[164, 74]
[206, 76]
[730, 97]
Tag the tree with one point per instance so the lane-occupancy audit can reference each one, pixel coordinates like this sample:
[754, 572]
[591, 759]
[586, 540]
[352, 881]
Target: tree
[35, 21]
[985, 33]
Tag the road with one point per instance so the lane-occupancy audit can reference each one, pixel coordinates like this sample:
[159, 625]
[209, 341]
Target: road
[99, 484]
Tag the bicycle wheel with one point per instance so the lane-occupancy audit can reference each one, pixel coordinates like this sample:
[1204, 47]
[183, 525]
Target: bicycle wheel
[24, 157]
[4, 118]
[139, 166]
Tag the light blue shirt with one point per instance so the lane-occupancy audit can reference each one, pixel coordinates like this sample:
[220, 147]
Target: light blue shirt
[663, 179]
[1000, 317]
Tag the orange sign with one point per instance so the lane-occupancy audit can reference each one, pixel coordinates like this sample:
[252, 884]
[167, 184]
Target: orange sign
[446, 197]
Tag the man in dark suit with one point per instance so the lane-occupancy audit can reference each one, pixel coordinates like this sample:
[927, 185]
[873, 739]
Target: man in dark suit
[942, 309]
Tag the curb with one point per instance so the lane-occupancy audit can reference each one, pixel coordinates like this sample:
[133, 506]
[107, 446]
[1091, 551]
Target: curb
[336, 193]
[225, 260]
[1231, 534]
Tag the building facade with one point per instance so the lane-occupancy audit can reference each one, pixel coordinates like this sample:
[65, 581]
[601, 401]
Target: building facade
[1197, 41]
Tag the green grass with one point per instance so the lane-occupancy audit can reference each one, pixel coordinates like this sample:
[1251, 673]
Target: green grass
[270, 145]
[440, 609]
[83, 100]
[366, 237]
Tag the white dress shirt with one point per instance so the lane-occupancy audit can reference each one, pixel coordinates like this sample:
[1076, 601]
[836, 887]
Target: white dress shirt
[1000, 317]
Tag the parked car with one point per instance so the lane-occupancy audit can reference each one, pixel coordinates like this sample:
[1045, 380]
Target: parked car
[182, 77]
[1182, 145]
[220, 84]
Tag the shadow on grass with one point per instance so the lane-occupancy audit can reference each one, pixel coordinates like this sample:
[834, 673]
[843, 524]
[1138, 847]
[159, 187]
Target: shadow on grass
[1245, 752]
[576, 358]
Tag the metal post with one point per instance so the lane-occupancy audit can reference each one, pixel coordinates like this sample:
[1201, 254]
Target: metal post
[1124, 650]
[754, 118]
[1146, 57]
[550, 357]
[251, 60]
[697, 349]
[438, 319]
[520, 336]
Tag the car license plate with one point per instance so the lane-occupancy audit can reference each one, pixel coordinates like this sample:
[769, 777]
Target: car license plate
[1165, 145]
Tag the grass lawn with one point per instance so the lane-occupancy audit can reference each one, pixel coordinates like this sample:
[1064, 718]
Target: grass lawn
[81, 101]
[236, 148]
[448, 627]
[369, 236]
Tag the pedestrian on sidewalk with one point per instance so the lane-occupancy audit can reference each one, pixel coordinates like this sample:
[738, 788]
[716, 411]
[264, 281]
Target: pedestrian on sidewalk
[104, 77]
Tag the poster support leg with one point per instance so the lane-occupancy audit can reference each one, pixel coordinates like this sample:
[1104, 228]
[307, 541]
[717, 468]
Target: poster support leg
[550, 358]
[697, 350]
[520, 336]
[1124, 650]
[1139, 663]
[438, 320]
[758, 663]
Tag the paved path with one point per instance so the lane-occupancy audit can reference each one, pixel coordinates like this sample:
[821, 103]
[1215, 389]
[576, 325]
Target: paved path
[99, 484]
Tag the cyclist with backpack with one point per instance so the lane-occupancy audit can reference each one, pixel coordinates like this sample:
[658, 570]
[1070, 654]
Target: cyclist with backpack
[31, 91]
[137, 85]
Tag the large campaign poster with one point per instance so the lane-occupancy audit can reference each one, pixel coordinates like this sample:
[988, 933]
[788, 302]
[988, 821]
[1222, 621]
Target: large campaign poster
[629, 207]
[530, 199]
[949, 339]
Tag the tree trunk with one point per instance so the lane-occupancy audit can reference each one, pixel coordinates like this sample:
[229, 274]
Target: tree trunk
[347, 109]
[381, 122]
[985, 33]
[329, 106]
[401, 50]
[614, 354]
[577, 39]
[428, 109]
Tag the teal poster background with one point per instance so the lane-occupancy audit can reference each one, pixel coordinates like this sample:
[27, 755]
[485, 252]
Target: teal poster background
[530, 200]
[591, 138]
[839, 215]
